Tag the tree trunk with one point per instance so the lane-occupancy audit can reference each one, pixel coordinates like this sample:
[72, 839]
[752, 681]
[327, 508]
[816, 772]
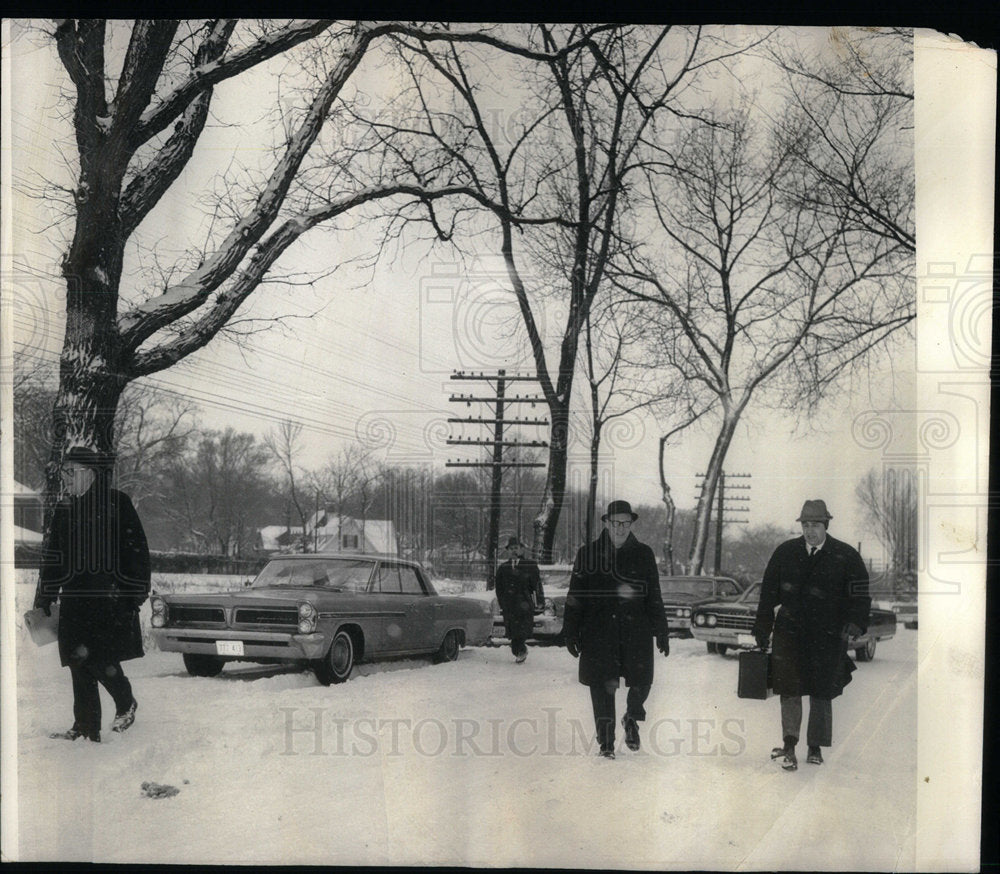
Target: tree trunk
[595, 450]
[671, 512]
[555, 484]
[703, 512]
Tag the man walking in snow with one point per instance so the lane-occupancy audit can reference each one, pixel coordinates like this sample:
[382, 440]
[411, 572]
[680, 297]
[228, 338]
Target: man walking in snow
[97, 566]
[613, 611]
[519, 590]
[821, 587]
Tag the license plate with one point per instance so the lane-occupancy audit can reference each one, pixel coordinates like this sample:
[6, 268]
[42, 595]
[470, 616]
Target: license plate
[499, 631]
[746, 640]
[229, 647]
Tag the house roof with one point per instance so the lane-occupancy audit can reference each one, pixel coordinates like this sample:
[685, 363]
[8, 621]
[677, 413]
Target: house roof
[271, 535]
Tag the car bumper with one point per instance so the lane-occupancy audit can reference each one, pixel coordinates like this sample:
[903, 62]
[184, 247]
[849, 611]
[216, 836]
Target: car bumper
[679, 627]
[256, 644]
[544, 626]
[723, 635]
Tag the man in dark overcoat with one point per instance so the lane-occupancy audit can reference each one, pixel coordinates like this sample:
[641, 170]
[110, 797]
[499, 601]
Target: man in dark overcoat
[820, 587]
[519, 592]
[614, 610]
[97, 566]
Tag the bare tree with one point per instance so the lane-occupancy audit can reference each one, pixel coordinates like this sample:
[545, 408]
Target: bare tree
[848, 119]
[770, 296]
[889, 499]
[152, 430]
[220, 492]
[368, 477]
[284, 444]
[334, 484]
[617, 384]
[556, 181]
[141, 94]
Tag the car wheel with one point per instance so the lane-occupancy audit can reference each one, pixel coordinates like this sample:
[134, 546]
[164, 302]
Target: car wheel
[867, 652]
[721, 648]
[711, 647]
[200, 665]
[336, 667]
[449, 648]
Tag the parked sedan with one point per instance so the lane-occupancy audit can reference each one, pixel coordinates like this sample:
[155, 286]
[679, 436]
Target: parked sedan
[682, 594]
[729, 624]
[327, 611]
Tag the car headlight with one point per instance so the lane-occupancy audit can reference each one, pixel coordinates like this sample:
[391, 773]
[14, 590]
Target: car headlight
[712, 620]
[699, 619]
[686, 613]
[307, 618]
[159, 609]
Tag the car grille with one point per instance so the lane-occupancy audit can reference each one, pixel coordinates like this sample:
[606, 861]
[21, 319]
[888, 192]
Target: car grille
[741, 622]
[181, 614]
[267, 616]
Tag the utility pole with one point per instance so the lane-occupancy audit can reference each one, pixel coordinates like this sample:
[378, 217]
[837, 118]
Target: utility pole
[726, 513]
[499, 401]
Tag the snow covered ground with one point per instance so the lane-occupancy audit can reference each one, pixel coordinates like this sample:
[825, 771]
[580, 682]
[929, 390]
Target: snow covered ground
[477, 762]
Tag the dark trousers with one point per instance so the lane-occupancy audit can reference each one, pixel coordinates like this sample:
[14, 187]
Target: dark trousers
[518, 645]
[87, 697]
[602, 696]
[819, 731]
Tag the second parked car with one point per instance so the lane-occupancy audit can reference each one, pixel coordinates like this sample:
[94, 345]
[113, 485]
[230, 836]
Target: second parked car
[729, 624]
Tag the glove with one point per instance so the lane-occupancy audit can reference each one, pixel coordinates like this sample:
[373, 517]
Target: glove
[574, 648]
[850, 630]
[762, 641]
[663, 644]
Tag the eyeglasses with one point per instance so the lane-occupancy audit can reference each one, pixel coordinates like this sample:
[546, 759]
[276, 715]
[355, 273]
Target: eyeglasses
[619, 523]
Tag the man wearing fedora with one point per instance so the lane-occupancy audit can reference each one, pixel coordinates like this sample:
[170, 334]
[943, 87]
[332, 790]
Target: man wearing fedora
[613, 612]
[519, 589]
[820, 587]
[97, 566]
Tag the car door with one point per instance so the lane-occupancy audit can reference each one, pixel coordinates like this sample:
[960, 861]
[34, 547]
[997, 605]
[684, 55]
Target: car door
[387, 600]
[418, 630]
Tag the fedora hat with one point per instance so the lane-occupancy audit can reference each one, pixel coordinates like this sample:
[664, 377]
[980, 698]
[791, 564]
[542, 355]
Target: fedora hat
[814, 511]
[617, 507]
[514, 540]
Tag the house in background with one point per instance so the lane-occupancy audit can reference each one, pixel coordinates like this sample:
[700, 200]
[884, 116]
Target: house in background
[278, 538]
[327, 532]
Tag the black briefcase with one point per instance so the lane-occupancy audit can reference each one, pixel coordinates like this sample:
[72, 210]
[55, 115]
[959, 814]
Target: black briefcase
[754, 680]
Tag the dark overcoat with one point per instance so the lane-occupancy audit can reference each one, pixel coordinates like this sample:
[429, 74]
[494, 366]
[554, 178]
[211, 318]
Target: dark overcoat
[518, 590]
[817, 597]
[614, 609]
[98, 567]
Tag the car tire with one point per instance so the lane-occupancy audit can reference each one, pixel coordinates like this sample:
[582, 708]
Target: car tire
[449, 648]
[711, 647]
[337, 664]
[867, 652]
[202, 665]
[721, 648]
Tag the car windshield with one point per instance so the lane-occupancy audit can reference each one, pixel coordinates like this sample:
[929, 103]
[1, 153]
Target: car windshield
[688, 588]
[349, 575]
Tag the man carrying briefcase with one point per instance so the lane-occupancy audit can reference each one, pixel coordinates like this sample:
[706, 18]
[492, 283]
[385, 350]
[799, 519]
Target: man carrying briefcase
[821, 587]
